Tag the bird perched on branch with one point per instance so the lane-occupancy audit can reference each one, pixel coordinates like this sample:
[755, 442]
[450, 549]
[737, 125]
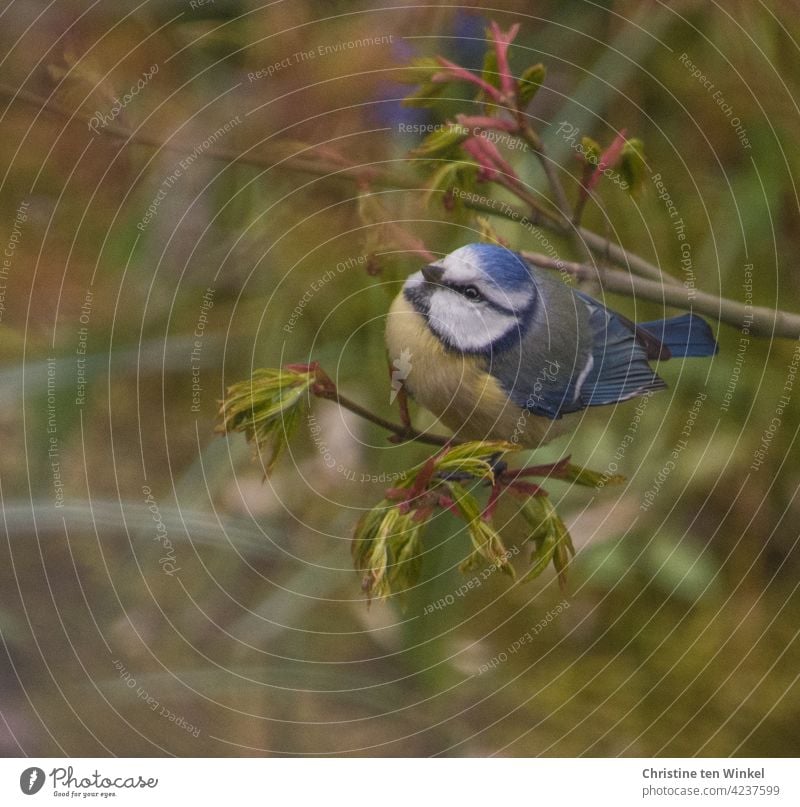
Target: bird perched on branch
[499, 350]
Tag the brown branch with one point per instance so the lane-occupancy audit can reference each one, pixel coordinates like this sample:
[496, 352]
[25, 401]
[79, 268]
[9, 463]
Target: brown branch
[537, 146]
[328, 168]
[759, 320]
[574, 233]
[405, 433]
[587, 240]
[651, 285]
[604, 248]
[316, 165]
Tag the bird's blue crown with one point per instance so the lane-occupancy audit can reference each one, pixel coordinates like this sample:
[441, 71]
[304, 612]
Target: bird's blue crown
[504, 268]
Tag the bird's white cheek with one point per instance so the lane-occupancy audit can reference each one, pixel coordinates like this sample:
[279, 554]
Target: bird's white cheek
[466, 326]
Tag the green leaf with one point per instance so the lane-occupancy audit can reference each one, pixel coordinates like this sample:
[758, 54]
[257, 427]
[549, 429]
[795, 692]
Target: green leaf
[426, 95]
[490, 73]
[266, 409]
[450, 174]
[633, 165]
[591, 150]
[474, 458]
[487, 544]
[365, 532]
[387, 549]
[418, 71]
[387, 544]
[487, 233]
[551, 538]
[541, 557]
[442, 142]
[530, 83]
[590, 479]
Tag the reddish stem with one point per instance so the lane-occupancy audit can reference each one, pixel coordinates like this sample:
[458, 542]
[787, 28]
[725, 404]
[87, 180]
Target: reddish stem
[456, 71]
[501, 43]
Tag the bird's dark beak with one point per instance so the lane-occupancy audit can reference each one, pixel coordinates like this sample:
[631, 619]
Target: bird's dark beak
[433, 273]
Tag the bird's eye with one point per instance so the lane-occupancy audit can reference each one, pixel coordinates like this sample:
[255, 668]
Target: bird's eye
[471, 293]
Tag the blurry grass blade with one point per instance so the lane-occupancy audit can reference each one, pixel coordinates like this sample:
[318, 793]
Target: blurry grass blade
[266, 409]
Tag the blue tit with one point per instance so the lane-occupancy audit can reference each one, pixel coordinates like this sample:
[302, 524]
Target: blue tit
[499, 350]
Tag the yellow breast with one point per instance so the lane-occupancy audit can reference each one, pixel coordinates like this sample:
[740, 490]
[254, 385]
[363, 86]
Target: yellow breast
[457, 388]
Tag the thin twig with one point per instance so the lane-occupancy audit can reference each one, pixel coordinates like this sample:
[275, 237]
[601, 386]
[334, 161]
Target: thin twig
[406, 433]
[604, 248]
[531, 137]
[315, 165]
[539, 215]
[322, 167]
[537, 146]
[758, 320]
[652, 285]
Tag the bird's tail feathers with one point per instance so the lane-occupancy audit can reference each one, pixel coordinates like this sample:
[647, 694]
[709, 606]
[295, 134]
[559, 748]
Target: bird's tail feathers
[687, 335]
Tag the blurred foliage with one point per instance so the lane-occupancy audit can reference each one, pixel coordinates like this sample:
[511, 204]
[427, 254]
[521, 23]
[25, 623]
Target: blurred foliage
[680, 637]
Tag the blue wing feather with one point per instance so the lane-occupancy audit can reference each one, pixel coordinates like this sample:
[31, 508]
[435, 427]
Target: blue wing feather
[591, 357]
[621, 369]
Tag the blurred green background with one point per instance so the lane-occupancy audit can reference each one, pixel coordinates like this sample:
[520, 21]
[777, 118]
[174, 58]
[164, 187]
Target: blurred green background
[221, 615]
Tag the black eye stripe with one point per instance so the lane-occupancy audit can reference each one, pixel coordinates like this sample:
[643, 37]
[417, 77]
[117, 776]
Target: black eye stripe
[461, 289]
[469, 290]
